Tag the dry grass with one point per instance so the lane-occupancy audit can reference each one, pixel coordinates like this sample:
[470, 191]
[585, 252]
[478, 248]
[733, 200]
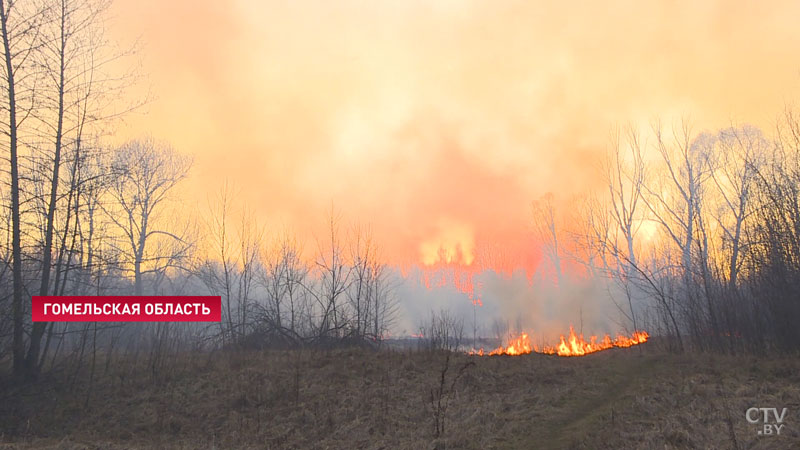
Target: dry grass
[364, 399]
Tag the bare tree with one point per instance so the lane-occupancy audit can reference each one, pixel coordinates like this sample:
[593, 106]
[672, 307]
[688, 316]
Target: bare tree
[442, 331]
[145, 172]
[675, 201]
[335, 279]
[624, 171]
[72, 61]
[284, 277]
[625, 175]
[739, 154]
[384, 305]
[232, 265]
[544, 221]
[773, 253]
[362, 292]
[20, 25]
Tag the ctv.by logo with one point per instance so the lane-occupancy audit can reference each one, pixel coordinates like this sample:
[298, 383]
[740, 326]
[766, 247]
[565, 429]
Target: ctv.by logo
[763, 415]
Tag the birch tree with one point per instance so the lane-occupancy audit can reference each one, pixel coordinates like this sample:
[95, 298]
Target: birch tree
[740, 155]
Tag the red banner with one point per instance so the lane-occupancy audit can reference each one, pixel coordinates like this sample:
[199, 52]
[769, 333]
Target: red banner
[145, 308]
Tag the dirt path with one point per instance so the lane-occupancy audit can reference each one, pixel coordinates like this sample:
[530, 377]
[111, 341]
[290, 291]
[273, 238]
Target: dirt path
[581, 411]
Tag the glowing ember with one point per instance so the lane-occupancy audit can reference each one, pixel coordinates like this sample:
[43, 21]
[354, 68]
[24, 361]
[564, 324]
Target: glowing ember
[574, 345]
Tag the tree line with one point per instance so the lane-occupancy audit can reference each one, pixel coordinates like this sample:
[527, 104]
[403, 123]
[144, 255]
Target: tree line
[695, 234]
[82, 217]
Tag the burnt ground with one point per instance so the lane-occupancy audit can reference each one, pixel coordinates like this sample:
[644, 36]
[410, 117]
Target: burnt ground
[357, 398]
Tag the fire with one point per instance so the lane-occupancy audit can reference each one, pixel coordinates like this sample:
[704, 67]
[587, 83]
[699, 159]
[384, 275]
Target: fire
[574, 345]
[518, 346]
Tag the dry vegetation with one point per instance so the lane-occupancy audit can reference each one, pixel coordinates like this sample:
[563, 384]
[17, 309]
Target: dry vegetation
[361, 398]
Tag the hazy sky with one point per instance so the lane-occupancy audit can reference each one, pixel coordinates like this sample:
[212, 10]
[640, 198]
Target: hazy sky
[438, 122]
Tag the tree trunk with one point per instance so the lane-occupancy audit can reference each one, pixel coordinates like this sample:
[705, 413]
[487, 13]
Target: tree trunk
[47, 257]
[16, 244]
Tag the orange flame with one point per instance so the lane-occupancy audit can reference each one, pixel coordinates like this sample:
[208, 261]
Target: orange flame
[575, 345]
[518, 346]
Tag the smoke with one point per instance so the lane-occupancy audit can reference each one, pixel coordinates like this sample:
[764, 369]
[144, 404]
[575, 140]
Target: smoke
[524, 302]
[405, 114]
[437, 123]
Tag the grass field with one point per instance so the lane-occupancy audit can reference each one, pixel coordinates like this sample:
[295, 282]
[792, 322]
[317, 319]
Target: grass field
[357, 398]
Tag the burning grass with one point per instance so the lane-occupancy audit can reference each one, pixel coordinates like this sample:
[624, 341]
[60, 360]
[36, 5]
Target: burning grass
[575, 345]
[619, 398]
